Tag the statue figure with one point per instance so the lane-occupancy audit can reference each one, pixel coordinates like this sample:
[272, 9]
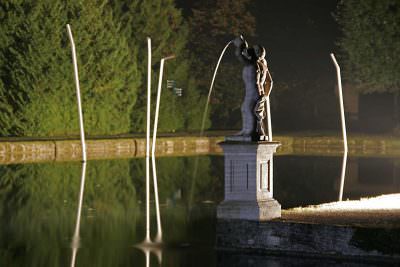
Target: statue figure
[264, 86]
[258, 85]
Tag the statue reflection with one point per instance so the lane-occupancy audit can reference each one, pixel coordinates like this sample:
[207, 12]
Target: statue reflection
[75, 238]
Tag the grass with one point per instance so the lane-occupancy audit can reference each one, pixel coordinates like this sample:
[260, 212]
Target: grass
[382, 211]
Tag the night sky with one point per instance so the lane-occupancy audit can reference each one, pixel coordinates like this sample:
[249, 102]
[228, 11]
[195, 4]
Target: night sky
[298, 35]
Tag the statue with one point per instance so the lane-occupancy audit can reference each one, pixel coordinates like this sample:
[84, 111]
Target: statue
[258, 85]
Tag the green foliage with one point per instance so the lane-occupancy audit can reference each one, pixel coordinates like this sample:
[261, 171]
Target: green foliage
[371, 43]
[37, 87]
[164, 24]
[193, 107]
[212, 25]
[36, 74]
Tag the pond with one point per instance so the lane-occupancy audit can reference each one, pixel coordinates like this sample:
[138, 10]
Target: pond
[39, 202]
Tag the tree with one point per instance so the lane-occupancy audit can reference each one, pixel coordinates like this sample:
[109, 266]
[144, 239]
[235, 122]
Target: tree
[371, 44]
[212, 25]
[37, 85]
[164, 24]
[37, 94]
[371, 47]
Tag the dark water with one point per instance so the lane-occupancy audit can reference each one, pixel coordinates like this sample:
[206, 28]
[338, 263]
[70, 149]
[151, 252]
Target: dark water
[38, 208]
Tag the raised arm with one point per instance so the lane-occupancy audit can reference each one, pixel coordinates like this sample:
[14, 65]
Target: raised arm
[241, 49]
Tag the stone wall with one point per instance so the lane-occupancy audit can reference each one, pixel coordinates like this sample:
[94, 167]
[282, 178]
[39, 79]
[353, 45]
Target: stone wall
[16, 152]
[21, 151]
[318, 240]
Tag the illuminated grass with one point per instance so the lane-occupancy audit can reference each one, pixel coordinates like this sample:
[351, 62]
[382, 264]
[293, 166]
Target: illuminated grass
[382, 211]
[383, 202]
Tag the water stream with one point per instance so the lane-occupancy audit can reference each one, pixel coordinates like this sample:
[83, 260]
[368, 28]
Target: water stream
[203, 121]
[211, 88]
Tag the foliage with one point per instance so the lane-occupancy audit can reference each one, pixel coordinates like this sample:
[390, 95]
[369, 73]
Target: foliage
[371, 43]
[212, 25]
[164, 24]
[36, 70]
[37, 87]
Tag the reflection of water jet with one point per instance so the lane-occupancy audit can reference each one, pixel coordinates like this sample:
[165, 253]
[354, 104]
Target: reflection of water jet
[151, 248]
[75, 238]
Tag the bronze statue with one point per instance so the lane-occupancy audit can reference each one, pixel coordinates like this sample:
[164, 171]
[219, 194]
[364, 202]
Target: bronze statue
[258, 86]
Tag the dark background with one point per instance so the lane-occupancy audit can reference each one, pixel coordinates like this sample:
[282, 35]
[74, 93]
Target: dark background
[298, 37]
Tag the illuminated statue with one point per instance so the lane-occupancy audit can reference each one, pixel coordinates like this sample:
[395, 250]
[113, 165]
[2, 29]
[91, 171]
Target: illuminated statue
[264, 86]
[258, 85]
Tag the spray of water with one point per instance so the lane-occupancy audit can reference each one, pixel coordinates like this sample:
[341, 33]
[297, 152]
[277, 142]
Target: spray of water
[203, 121]
[343, 121]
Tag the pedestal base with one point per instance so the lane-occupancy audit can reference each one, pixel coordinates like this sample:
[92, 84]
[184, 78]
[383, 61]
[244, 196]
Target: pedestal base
[243, 138]
[238, 138]
[249, 210]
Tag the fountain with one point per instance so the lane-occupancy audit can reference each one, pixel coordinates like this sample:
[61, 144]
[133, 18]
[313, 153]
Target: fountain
[249, 154]
[76, 238]
[343, 123]
[158, 238]
[203, 122]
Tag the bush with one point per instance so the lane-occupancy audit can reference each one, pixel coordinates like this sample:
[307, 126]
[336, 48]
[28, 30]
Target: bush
[36, 74]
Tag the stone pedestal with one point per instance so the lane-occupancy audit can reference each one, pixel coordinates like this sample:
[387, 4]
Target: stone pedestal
[249, 181]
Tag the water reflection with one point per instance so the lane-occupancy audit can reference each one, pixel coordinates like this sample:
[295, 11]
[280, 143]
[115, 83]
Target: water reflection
[75, 238]
[302, 181]
[370, 176]
[38, 207]
[154, 249]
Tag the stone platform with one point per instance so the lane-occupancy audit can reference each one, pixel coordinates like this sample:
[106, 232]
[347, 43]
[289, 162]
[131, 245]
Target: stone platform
[249, 210]
[248, 192]
[367, 229]
[380, 245]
